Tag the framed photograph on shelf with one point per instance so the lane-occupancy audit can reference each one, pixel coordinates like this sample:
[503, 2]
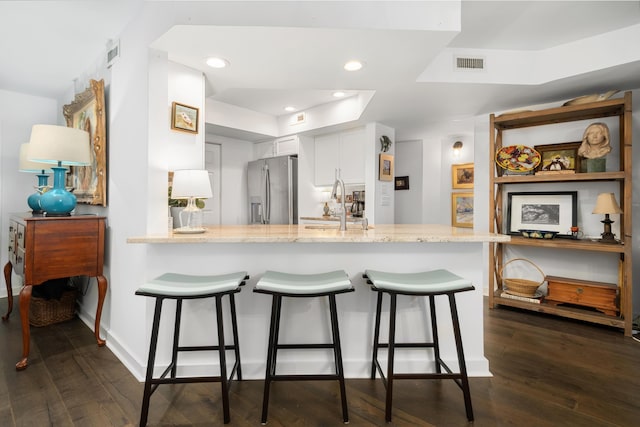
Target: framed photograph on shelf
[402, 183]
[386, 167]
[87, 112]
[462, 210]
[558, 158]
[184, 118]
[542, 211]
[462, 175]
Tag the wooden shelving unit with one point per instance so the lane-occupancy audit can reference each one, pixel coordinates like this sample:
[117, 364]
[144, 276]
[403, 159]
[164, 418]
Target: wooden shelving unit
[619, 107]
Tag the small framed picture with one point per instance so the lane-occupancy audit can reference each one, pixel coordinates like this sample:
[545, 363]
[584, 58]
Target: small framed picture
[558, 158]
[402, 183]
[542, 211]
[184, 118]
[462, 175]
[386, 167]
[462, 210]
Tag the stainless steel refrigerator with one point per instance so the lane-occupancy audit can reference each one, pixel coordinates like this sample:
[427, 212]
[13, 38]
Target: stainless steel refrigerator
[273, 190]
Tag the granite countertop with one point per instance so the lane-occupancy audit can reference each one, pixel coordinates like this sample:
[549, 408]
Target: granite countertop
[330, 218]
[407, 233]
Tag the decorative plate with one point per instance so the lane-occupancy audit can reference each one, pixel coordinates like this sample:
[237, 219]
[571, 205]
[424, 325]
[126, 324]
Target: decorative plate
[538, 234]
[518, 158]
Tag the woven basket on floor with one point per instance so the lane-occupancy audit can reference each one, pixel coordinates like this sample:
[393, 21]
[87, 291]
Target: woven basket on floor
[517, 286]
[43, 312]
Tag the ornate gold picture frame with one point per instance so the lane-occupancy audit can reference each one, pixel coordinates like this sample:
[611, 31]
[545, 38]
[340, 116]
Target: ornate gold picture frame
[87, 112]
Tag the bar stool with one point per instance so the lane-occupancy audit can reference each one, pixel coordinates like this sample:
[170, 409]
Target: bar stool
[278, 285]
[180, 287]
[431, 284]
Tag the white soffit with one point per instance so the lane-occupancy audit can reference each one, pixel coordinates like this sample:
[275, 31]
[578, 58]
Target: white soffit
[526, 67]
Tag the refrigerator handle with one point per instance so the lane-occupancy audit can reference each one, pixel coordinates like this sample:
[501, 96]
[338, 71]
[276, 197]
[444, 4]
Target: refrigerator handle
[267, 198]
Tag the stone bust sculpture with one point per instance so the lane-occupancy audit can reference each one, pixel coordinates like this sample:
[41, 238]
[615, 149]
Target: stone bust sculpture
[595, 141]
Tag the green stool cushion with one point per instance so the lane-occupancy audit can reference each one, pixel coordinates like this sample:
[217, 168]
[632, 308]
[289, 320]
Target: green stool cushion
[185, 285]
[432, 282]
[301, 284]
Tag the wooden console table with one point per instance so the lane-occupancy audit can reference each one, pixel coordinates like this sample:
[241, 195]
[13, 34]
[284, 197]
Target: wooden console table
[44, 248]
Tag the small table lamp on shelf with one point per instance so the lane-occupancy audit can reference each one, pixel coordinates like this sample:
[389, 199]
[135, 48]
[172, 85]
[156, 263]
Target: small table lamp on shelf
[191, 184]
[606, 204]
[61, 146]
[41, 169]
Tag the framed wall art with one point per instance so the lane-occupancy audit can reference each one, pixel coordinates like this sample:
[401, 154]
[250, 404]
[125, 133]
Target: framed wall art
[88, 112]
[184, 118]
[462, 210]
[386, 167]
[402, 183]
[558, 158]
[462, 175]
[542, 211]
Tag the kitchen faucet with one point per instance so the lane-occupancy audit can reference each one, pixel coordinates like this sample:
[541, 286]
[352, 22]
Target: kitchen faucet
[334, 195]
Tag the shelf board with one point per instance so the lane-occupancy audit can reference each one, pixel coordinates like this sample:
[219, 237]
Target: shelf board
[560, 243]
[572, 313]
[524, 179]
[608, 108]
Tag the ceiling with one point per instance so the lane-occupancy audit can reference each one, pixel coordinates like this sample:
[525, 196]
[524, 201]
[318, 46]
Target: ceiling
[276, 66]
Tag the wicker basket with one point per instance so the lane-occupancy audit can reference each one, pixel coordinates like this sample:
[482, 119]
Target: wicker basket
[520, 287]
[43, 312]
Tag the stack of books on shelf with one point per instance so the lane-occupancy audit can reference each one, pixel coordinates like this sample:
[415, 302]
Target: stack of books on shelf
[519, 298]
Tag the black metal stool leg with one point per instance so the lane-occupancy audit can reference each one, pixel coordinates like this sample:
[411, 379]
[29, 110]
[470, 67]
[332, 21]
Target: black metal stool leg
[338, 356]
[236, 342]
[434, 334]
[176, 338]
[271, 350]
[461, 361]
[144, 413]
[392, 340]
[376, 337]
[223, 361]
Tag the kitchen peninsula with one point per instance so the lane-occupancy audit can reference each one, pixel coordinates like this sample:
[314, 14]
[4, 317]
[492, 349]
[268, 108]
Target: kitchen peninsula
[309, 249]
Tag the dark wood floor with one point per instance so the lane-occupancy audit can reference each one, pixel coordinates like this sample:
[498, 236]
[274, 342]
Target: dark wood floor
[547, 372]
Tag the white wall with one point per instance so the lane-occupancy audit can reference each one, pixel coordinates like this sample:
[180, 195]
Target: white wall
[235, 156]
[18, 113]
[408, 206]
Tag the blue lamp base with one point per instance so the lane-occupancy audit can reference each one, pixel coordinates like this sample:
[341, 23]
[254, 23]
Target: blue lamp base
[58, 201]
[34, 200]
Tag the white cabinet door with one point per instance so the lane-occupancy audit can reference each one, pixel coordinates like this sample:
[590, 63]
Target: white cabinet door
[287, 145]
[352, 156]
[263, 150]
[343, 151]
[327, 148]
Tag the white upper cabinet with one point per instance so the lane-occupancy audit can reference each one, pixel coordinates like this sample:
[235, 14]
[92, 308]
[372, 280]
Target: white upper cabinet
[287, 145]
[343, 151]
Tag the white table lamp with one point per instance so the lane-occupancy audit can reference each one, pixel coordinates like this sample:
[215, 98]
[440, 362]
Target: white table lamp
[606, 204]
[61, 146]
[191, 184]
[41, 169]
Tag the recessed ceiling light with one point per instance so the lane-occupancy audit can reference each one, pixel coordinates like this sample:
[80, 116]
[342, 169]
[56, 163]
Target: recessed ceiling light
[339, 94]
[290, 108]
[215, 62]
[353, 65]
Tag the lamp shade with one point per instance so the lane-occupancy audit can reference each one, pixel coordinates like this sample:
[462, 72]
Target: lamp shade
[59, 145]
[191, 183]
[606, 204]
[27, 165]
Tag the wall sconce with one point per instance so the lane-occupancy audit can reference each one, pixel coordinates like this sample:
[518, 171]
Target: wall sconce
[606, 204]
[191, 184]
[457, 148]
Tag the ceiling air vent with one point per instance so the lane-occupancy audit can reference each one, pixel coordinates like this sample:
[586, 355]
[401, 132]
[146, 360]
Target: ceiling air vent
[469, 63]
